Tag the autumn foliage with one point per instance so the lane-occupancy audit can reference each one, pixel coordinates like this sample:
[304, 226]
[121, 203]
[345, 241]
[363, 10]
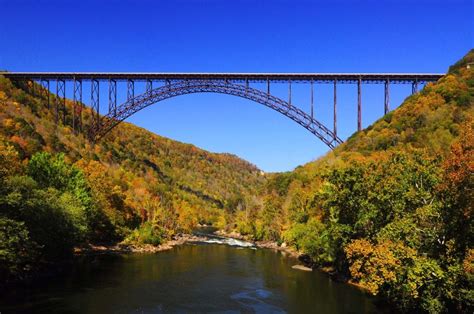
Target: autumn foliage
[132, 186]
[390, 210]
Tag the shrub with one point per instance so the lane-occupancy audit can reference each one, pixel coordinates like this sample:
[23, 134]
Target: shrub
[148, 233]
[17, 250]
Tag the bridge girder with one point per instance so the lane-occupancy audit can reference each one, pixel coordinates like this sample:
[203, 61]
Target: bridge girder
[318, 78]
[226, 83]
[106, 123]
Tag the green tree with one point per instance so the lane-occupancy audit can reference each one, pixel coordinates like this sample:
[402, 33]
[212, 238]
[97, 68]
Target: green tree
[17, 251]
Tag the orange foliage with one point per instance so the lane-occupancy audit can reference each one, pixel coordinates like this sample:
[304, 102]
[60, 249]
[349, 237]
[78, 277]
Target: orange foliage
[468, 263]
[373, 265]
[19, 140]
[459, 168]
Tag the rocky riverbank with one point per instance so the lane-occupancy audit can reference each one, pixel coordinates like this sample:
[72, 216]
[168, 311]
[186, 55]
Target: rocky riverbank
[121, 248]
[307, 263]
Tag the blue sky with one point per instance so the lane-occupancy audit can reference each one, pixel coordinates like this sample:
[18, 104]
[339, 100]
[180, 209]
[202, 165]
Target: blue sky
[241, 36]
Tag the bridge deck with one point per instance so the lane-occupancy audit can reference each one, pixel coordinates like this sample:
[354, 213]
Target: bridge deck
[233, 77]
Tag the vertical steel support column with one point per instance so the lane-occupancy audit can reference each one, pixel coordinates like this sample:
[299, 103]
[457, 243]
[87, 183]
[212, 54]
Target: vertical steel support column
[95, 102]
[359, 105]
[63, 83]
[49, 94]
[335, 108]
[414, 87]
[289, 92]
[112, 96]
[61, 99]
[42, 92]
[268, 88]
[81, 108]
[149, 86]
[77, 110]
[74, 104]
[130, 90]
[45, 85]
[387, 97]
[312, 100]
[56, 104]
[246, 85]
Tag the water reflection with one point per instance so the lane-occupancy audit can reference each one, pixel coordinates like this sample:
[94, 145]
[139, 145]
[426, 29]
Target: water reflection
[202, 278]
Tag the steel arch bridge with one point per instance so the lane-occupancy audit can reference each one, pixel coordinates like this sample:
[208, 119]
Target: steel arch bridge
[133, 105]
[175, 84]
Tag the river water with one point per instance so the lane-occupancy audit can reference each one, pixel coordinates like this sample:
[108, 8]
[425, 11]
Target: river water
[210, 277]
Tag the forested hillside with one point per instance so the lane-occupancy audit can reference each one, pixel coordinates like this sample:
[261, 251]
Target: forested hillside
[392, 208]
[58, 190]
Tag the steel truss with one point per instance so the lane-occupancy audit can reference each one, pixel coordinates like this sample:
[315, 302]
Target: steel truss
[45, 92]
[359, 105]
[130, 90]
[95, 101]
[112, 95]
[77, 105]
[102, 126]
[149, 85]
[175, 84]
[414, 87]
[61, 99]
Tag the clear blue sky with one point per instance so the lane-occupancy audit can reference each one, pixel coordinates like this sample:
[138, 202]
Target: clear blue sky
[241, 36]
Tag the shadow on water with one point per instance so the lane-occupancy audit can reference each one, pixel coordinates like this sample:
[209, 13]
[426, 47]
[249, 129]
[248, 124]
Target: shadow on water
[203, 278]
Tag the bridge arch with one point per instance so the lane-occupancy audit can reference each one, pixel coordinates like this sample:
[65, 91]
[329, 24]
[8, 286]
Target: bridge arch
[150, 97]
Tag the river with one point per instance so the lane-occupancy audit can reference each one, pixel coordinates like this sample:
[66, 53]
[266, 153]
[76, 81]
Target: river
[193, 278]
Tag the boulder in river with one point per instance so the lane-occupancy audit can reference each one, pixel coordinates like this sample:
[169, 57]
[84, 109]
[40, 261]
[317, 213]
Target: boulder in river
[301, 267]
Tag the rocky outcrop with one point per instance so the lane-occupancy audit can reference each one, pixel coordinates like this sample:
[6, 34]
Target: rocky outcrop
[301, 267]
